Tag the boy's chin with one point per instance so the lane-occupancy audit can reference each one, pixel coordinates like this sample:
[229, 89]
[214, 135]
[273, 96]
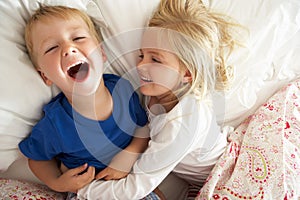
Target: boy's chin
[85, 90]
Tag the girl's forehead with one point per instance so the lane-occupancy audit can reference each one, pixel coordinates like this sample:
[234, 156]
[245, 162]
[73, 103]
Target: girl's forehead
[155, 39]
[162, 38]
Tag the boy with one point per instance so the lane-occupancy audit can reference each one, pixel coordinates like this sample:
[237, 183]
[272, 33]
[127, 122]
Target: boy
[91, 122]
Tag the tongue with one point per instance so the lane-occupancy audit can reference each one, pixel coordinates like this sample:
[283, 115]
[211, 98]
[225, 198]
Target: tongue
[79, 72]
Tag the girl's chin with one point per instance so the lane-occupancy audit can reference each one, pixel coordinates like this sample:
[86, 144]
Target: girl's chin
[149, 91]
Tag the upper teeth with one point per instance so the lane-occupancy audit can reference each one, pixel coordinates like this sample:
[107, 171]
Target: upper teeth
[145, 78]
[77, 63]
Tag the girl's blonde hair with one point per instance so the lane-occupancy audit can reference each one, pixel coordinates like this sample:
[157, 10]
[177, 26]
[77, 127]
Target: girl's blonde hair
[201, 39]
[63, 12]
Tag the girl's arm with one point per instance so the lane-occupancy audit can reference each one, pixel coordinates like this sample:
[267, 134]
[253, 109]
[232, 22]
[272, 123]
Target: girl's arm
[122, 163]
[162, 156]
[49, 173]
[169, 144]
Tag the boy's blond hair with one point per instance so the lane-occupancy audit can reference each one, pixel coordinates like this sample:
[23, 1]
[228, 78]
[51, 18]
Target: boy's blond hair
[201, 39]
[63, 12]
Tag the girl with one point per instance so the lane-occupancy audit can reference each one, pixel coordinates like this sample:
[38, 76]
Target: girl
[182, 61]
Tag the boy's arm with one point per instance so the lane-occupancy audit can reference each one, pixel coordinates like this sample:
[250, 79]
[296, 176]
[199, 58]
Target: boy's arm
[49, 173]
[122, 162]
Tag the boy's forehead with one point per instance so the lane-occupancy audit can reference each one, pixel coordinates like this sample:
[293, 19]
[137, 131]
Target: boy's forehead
[50, 27]
[52, 21]
[55, 18]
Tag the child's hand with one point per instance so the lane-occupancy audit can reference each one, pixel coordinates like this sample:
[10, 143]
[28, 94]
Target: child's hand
[74, 179]
[111, 174]
[119, 166]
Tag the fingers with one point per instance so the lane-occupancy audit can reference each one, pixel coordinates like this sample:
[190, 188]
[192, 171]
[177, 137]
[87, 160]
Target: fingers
[74, 179]
[90, 173]
[102, 174]
[78, 170]
[107, 177]
[83, 173]
[111, 174]
[85, 178]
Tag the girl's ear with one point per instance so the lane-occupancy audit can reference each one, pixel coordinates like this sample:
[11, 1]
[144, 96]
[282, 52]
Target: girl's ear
[46, 80]
[187, 78]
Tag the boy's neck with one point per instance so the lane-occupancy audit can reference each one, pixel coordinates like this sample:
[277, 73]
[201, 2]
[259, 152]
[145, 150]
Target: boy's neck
[98, 106]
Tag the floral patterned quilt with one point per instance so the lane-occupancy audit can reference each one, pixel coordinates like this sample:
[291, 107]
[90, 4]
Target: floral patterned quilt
[262, 160]
[23, 190]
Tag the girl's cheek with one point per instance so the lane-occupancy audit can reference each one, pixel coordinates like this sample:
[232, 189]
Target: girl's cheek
[165, 76]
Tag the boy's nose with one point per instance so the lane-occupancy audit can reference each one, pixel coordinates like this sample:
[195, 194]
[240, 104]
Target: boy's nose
[69, 51]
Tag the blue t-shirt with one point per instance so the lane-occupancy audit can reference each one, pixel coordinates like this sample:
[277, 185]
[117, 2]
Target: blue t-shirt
[65, 134]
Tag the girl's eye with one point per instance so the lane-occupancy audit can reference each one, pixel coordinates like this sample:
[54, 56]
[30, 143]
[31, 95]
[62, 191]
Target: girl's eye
[156, 60]
[141, 56]
[50, 49]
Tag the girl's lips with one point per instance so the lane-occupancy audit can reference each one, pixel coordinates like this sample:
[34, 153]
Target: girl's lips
[144, 76]
[79, 71]
[145, 79]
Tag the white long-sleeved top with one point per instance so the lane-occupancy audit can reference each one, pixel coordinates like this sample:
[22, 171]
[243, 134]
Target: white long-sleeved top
[186, 140]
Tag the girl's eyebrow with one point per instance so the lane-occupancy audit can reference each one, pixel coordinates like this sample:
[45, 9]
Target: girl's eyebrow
[161, 56]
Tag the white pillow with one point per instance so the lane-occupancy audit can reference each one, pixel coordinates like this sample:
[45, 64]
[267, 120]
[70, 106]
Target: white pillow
[269, 59]
[23, 93]
[123, 31]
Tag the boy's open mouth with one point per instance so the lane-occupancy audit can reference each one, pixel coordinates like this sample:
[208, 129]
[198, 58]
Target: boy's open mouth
[79, 71]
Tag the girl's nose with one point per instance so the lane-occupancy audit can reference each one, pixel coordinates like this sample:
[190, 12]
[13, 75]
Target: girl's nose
[140, 62]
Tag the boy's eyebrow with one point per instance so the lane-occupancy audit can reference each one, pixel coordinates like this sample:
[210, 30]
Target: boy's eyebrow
[44, 41]
[75, 28]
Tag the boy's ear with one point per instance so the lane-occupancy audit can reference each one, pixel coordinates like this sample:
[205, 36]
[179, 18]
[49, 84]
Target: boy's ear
[187, 78]
[44, 77]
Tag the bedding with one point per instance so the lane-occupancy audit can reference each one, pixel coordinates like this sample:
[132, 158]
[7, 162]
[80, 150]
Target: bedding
[262, 160]
[270, 59]
[17, 189]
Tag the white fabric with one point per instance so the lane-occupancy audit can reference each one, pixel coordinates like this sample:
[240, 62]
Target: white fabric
[187, 140]
[270, 57]
[122, 33]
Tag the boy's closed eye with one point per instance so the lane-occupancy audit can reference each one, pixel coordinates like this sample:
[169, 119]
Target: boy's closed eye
[79, 38]
[51, 49]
